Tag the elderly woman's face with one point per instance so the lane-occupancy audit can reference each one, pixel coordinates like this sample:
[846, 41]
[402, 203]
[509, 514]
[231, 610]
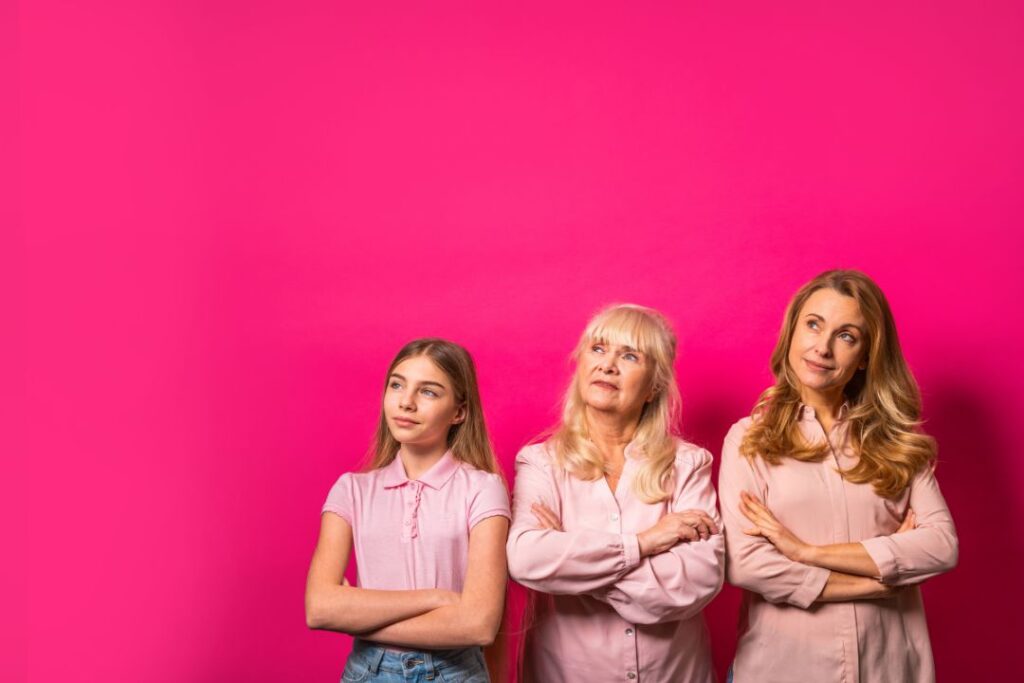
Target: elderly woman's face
[614, 378]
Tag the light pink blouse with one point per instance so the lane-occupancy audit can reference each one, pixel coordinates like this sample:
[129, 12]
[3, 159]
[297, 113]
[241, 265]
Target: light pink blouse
[602, 613]
[414, 533]
[784, 634]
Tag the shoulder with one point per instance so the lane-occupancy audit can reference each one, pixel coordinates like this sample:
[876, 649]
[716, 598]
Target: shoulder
[738, 430]
[356, 481]
[536, 454]
[690, 456]
[478, 479]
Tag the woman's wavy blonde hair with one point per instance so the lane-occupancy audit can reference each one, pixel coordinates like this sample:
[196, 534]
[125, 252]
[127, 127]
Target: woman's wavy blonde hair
[649, 332]
[467, 440]
[884, 415]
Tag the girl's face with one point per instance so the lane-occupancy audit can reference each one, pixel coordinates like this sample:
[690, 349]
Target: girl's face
[419, 403]
[614, 379]
[829, 343]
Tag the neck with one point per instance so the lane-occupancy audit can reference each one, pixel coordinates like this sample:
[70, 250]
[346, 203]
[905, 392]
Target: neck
[610, 432]
[826, 404]
[418, 458]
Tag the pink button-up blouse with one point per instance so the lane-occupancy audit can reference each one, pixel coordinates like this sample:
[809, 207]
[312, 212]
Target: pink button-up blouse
[784, 634]
[601, 612]
[414, 533]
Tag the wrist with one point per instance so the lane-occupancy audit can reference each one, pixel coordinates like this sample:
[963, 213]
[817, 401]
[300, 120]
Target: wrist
[642, 542]
[809, 554]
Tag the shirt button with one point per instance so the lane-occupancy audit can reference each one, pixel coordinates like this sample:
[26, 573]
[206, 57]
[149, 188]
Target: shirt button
[615, 517]
[629, 631]
[631, 675]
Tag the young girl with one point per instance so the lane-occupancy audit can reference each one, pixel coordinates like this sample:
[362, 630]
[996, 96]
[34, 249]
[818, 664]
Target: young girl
[832, 513]
[428, 523]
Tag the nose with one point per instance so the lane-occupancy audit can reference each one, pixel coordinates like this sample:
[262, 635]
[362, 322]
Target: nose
[823, 346]
[608, 365]
[406, 402]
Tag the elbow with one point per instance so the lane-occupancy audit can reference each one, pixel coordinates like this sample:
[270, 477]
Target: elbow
[314, 613]
[952, 554]
[482, 632]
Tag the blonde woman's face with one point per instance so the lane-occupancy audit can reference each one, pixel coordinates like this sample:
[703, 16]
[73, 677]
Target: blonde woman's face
[829, 342]
[614, 378]
[419, 403]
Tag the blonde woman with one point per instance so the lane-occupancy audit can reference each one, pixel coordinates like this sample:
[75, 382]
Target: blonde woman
[832, 512]
[427, 522]
[615, 524]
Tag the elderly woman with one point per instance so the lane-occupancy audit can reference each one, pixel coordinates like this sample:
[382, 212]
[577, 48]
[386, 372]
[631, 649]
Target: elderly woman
[832, 512]
[615, 525]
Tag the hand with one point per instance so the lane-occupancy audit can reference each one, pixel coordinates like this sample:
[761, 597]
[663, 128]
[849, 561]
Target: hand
[676, 527]
[546, 519]
[909, 522]
[766, 526]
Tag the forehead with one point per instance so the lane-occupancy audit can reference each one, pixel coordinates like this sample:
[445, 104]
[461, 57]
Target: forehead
[834, 307]
[421, 369]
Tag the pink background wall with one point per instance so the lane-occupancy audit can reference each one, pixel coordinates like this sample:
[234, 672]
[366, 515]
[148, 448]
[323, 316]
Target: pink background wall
[234, 213]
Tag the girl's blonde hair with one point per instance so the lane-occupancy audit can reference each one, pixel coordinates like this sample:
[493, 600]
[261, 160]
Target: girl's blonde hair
[884, 415]
[649, 332]
[468, 440]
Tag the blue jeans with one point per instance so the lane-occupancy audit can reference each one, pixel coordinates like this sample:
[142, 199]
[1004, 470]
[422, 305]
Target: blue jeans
[371, 662]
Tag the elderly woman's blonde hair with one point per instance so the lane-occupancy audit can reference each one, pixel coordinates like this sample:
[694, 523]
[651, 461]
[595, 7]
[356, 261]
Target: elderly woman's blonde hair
[649, 332]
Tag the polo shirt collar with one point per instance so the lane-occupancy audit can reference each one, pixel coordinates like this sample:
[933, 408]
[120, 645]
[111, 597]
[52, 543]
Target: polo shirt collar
[393, 475]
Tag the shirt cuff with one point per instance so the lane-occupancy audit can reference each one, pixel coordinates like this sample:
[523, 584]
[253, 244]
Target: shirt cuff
[631, 548]
[881, 551]
[811, 588]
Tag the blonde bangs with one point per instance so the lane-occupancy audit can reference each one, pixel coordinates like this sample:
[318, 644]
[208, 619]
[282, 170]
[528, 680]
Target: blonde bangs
[627, 325]
[647, 331]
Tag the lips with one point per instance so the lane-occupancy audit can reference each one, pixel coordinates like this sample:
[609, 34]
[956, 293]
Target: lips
[404, 422]
[817, 367]
[608, 386]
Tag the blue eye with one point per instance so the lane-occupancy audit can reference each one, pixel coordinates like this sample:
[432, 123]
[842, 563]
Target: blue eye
[430, 392]
[631, 356]
[847, 337]
[395, 385]
[597, 348]
[813, 324]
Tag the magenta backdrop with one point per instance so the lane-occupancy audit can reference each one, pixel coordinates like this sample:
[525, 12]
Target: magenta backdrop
[236, 212]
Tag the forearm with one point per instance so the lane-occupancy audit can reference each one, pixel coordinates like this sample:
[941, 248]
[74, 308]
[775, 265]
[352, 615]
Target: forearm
[669, 586]
[842, 587]
[847, 558]
[569, 563]
[357, 610]
[457, 625]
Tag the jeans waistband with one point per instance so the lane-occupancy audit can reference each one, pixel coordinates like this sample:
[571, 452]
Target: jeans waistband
[379, 657]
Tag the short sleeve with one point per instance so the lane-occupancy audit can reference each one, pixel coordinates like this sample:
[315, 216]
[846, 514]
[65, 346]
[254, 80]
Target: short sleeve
[340, 498]
[490, 499]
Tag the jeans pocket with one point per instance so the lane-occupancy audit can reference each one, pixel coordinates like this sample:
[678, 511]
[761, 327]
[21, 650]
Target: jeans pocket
[470, 669]
[356, 669]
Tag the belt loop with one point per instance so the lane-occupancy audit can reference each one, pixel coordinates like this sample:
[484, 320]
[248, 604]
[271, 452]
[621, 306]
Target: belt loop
[373, 660]
[428, 663]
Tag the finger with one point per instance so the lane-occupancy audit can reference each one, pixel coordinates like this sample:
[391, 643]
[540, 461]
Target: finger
[553, 521]
[546, 516]
[753, 532]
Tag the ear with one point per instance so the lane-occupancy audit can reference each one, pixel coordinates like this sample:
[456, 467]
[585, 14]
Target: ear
[653, 394]
[863, 363]
[460, 415]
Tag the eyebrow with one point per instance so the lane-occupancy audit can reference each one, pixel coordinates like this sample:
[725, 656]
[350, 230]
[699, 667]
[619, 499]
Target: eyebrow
[856, 327]
[436, 384]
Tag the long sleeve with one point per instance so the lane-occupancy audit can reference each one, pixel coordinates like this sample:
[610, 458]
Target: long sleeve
[753, 563]
[680, 582]
[929, 549]
[559, 562]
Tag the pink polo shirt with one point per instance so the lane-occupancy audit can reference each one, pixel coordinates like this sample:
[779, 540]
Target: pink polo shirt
[602, 612]
[414, 533]
[786, 636]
